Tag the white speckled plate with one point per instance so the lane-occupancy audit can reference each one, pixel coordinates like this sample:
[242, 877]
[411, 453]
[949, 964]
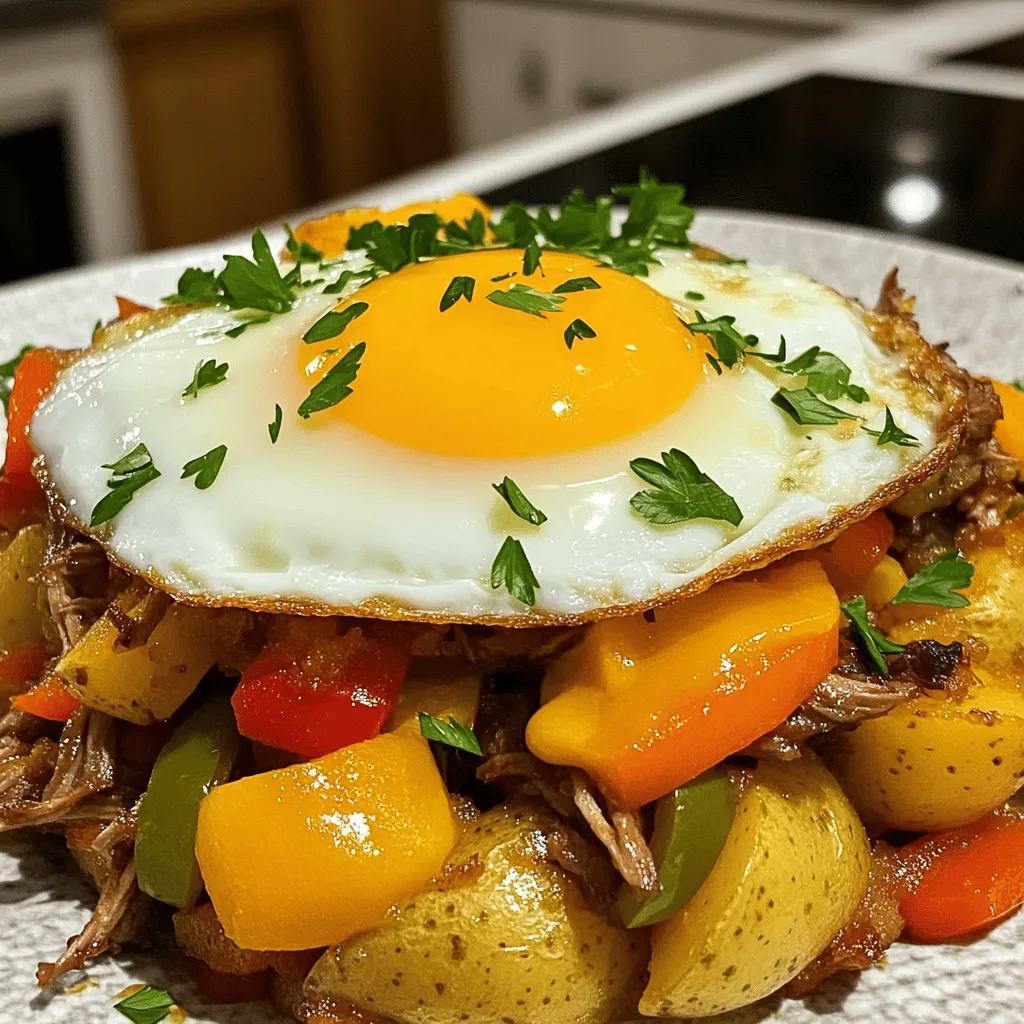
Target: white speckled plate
[974, 303]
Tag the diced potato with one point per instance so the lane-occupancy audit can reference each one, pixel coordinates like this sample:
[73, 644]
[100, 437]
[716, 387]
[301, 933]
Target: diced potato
[21, 619]
[504, 936]
[934, 763]
[793, 869]
[442, 687]
[148, 683]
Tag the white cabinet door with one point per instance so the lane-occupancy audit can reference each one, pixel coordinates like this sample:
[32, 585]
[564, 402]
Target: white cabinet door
[519, 66]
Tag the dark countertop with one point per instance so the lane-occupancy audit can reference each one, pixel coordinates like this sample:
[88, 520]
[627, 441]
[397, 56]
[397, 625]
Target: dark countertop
[26, 14]
[916, 161]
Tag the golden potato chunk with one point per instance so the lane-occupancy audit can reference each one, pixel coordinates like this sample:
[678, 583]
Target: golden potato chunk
[793, 870]
[21, 621]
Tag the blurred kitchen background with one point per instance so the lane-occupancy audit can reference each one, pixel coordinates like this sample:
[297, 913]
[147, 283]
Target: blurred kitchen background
[130, 125]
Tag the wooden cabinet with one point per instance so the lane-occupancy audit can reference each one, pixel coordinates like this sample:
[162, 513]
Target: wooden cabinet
[244, 110]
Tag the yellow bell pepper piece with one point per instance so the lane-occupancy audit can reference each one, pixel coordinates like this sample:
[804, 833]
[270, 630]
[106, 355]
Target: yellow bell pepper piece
[442, 687]
[309, 855]
[883, 583]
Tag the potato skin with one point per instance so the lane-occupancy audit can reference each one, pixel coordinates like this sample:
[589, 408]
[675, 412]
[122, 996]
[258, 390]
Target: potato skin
[505, 936]
[793, 869]
[934, 763]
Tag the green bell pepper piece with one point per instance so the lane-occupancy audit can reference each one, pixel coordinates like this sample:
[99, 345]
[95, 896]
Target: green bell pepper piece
[690, 827]
[198, 756]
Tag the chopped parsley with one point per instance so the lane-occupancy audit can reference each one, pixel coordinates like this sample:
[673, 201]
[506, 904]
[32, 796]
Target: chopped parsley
[301, 252]
[807, 409]
[938, 583]
[206, 375]
[206, 467]
[871, 641]
[7, 371]
[330, 325]
[131, 472]
[681, 492]
[531, 259]
[694, 297]
[891, 434]
[275, 427]
[827, 375]
[578, 329]
[1018, 384]
[772, 357]
[452, 733]
[147, 1006]
[333, 387]
[195, 287]
[505, 277]
[527, 300]
[460, 288]
[256, 283]
[345, 277]
[512, 570]
[729, 344]
[576, 284]
[237, 332]
[519, 503]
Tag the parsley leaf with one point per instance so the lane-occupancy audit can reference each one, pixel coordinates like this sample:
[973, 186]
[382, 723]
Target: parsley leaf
[391, 247]
[505, 277]
[516, 227]
[827, 375]
[682, 492]
[301, 252]
[519, 502]
[237, 332]
[578, 329]
[527, 300]
[460, 288]
[694, 297]
[7, 371]
[729, 344]
[575, 284]
[937, 583]
[804, 406]
[1018, 384]
[132, 471]
[206, 375]
[275, 427]
[512, 570]
[206, 467]
[453, 733]
[256, 283]
[472, 233]
[334, 386]
[891, 434]
[771, 357]
[344, 278]
[330, 325]
[531, 259]
[656, 211]
[195, 287]
[873, 643]
[147, 1006]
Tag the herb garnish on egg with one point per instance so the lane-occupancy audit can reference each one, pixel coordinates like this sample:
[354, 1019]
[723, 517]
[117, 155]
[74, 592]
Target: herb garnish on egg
[938, 582]
[682, 492]
[331, 324]
[729, 344]
[519, 502]
[827, 375]
[334, 386]
[578, 329]
[461, 287]
[275, 427]
[206, 467]
[132, 471]
[206, 375]
[891, 434]
[807, 409]
[575, 284]
[531, 259]
[527, 300]
[511, 569]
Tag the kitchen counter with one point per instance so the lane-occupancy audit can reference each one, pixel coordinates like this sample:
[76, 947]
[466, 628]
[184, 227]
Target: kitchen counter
[27, 14]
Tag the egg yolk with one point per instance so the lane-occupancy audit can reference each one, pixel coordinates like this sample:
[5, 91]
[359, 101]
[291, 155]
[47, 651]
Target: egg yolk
[481, 379]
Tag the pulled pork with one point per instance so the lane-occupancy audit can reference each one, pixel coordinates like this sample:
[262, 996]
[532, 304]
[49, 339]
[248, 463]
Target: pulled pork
[76, 575]
[850, 695]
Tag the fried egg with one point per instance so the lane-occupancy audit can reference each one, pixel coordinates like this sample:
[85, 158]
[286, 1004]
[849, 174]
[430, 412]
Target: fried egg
[384, 504]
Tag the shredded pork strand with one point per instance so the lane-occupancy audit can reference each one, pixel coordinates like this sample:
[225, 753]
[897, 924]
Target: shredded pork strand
[75, 574]
[622, 837]
[96, 936]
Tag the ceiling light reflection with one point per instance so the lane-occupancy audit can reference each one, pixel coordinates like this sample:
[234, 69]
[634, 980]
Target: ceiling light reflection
[913, 199]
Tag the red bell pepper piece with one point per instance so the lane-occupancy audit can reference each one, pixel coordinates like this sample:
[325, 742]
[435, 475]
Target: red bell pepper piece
[963, 879]
[857, 550]
[51, 699]
[33, 378]
[19, 667]
[315, 692]
[129, 307]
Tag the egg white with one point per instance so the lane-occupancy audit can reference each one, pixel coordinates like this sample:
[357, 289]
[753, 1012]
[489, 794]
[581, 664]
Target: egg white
[333, 519]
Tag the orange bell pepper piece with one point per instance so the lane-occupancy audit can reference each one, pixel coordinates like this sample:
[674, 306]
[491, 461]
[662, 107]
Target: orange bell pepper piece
[963, 879]
[33, 378]
[129, 307]
[308, 855]
[645, 706]
[51, 699]
[330, 234]
[1010, 429]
